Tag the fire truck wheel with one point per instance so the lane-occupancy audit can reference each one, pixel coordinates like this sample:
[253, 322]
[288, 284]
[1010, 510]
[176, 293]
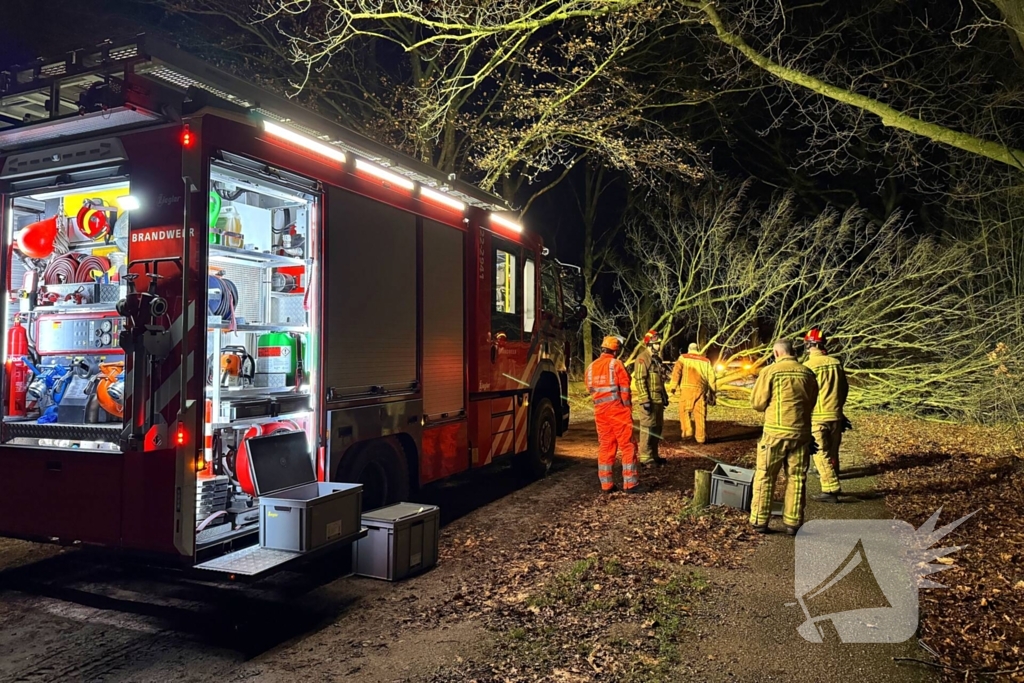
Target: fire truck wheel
[381, 468]
[536, 461]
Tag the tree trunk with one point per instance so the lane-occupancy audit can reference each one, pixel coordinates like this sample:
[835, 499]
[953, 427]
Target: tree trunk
[701, 489]
[592, 180]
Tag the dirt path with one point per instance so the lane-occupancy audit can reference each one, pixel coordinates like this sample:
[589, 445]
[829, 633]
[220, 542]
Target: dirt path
[550, 581]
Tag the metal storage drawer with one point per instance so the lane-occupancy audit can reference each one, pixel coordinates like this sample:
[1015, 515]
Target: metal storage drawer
[309, 516]
[401, 540]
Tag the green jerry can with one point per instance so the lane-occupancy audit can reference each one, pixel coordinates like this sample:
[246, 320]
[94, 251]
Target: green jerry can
[276, 354]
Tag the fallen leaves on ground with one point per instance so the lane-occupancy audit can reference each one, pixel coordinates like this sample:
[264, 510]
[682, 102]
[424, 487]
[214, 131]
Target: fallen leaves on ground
[604, 590]
[976, 623]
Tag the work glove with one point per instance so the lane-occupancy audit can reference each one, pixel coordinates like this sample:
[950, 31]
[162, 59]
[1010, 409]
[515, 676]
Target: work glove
[712, 399]
[647, 408]
[812, 448]
[664, 397]
[847, 426]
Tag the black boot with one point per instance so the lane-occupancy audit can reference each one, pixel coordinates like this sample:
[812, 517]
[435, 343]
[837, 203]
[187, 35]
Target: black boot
[826, 497]
[639, 488]
[763, 529]
[791, 530]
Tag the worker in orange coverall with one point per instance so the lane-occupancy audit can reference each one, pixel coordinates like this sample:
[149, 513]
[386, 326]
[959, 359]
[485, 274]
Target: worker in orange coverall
[693, 377]
[608, 384]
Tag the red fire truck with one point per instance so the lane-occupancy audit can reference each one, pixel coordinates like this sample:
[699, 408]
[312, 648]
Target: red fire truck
[192, 262]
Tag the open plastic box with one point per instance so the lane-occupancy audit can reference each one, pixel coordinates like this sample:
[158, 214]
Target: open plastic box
[298, 513]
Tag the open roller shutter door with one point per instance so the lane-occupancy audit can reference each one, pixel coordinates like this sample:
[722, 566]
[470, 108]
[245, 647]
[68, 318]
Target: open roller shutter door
[371, 298]
[443, 315]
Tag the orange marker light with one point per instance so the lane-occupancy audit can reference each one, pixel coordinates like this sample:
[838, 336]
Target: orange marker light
[186, 137]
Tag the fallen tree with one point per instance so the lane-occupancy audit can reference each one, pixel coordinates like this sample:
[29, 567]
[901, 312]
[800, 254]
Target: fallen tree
[915, 319]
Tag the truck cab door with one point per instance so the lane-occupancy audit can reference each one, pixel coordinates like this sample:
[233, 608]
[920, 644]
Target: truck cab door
[552, 319]
[511, 320]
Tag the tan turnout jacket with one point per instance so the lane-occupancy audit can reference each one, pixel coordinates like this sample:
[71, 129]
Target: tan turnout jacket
[786, 393]
[648, 382]
[832, 386]
[694, 377]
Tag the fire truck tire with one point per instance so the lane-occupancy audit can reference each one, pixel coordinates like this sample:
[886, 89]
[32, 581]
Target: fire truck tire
[536, 461]
[380, 466]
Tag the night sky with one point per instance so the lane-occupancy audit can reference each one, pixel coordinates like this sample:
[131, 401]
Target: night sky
[734, 134]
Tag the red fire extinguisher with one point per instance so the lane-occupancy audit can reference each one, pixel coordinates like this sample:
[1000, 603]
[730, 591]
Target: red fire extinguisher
[17, 370]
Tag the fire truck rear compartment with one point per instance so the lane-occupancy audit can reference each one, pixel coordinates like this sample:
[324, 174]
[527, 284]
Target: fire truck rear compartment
[259, 370]
[63, 303]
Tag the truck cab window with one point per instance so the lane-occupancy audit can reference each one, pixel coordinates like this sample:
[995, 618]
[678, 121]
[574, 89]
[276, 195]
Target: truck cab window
[507, 293]
[530, 295]
[550, 292]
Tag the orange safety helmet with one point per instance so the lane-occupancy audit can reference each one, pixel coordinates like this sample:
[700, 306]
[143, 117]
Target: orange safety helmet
[651, 336]
[815, 336]
[611, 343]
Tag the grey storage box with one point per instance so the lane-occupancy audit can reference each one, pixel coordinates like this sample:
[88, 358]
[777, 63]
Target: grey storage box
[731, 486]
[401, 539]
[297, 513]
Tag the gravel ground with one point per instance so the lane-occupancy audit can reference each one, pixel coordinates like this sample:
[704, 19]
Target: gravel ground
[501, 605]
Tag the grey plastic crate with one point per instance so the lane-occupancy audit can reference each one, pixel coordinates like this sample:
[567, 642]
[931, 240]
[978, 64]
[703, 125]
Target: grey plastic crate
[401, 540]
[731, 486]
[310, 516]
[298, 513]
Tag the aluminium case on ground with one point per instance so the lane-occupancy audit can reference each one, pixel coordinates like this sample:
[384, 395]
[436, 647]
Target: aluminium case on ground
[401, 540]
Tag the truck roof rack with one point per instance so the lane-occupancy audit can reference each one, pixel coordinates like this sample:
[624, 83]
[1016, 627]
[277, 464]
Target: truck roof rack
[38, 101]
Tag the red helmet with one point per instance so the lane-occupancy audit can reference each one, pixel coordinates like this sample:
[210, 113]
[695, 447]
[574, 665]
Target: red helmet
[815, 336]
[651, 336]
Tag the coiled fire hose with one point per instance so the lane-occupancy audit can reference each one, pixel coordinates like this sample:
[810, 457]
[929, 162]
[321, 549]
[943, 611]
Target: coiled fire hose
[87, 264]
[61, 270]
[225, 307]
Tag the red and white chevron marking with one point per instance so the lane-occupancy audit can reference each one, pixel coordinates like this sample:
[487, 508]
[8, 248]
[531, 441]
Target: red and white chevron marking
[522, 425]
[501, 443]
[165, 391]
[208, 433]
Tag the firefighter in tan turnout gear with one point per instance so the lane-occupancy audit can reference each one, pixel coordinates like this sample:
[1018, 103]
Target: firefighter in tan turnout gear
[693, 377]
[649, 392]
[786, 393]
[827, 420]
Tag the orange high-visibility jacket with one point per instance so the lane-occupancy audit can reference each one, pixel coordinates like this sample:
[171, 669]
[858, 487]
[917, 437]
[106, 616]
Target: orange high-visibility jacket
[608, 384]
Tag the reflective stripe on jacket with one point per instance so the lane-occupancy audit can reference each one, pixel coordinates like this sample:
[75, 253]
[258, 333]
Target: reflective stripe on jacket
[608, 382]
[694, 374]
[786, 393]
[832, 386]
[648, 382]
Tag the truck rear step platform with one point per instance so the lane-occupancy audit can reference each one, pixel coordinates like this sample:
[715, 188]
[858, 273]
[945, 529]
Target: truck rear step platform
[255, 560]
